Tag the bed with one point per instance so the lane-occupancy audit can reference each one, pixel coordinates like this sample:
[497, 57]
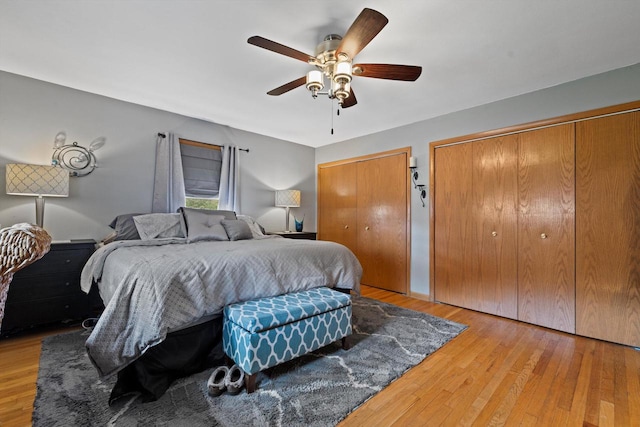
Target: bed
[164, 296]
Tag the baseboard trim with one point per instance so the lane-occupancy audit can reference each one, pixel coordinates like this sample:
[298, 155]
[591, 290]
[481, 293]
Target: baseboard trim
[421, 296]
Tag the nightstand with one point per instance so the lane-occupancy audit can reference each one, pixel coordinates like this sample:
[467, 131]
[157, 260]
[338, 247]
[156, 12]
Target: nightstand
[48, 291]
[309, 235]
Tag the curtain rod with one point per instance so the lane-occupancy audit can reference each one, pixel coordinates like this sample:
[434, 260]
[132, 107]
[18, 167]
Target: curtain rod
[162, 135]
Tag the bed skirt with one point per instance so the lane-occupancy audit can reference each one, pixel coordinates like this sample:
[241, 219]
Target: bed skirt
[181, 354]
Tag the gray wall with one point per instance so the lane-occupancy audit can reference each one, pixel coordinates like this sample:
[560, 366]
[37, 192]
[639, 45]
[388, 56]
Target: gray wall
[32, 112]
[615, 87]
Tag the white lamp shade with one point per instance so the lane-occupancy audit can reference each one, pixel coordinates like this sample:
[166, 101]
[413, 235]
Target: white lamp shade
[37, 180]
[342, 71]
[314, 76]
[315, 80]
[288, 198]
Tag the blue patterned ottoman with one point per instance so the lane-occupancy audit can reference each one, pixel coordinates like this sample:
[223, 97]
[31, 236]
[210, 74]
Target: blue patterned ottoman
[263, 333]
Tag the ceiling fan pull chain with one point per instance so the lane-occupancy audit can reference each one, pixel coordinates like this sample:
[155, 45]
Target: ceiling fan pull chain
[331, 116]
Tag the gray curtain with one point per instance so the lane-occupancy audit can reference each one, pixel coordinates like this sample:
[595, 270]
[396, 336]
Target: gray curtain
[168, 184]
[229, 176]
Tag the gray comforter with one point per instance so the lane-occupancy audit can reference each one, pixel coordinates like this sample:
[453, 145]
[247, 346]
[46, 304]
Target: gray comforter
[151, 288]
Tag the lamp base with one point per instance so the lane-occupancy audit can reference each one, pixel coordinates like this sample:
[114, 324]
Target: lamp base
[39, 211]
[286, 222]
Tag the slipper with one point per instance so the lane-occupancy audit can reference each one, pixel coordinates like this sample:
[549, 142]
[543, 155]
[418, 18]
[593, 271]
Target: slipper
[234, 380]
[217, 381]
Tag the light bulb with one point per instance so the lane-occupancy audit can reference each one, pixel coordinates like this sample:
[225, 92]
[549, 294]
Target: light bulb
[97, 143]
[60, 139]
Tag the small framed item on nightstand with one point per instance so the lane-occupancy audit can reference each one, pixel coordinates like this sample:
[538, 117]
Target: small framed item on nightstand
[48, 291]
[309, 235]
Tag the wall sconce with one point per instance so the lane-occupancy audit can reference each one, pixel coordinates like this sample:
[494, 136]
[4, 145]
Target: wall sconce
[39, 181]
[413, 166]
[76, 159]
[423, 193]
[288, 199]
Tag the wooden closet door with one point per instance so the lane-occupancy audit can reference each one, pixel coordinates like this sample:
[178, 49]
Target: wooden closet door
[493, 287]
[546, 227]
[608, 228]
[382, 221]
[337, 205]
[453, 224]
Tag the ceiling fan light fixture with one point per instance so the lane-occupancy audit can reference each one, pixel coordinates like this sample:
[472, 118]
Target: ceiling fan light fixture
[315, 82]
[340, 90]
[342, 71]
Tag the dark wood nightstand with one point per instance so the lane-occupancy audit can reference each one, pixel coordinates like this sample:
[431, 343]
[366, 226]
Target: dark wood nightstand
[48, 291]
[309, 235]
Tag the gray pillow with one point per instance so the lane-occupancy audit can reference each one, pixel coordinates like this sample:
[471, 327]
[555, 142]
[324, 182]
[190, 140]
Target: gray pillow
[125, 227]
[159, 225]
[256, 229]
[237, 229]
[186, 211]
[203, 226]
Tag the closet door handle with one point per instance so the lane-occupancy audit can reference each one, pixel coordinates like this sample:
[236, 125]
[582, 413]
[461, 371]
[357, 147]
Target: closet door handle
[346, 227]
[543, 236]
[494, 233]
[367, 228]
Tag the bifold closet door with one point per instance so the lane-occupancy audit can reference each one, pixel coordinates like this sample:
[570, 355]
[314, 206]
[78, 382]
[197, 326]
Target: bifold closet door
[546, 227]
[382, 221]
[337, 191]
[608, 228]
[493, 287]
[453, 224]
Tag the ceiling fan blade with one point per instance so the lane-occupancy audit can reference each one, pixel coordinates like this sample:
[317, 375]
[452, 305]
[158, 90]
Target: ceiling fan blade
[366, 26]
[278, 48]
[350, 101]
[388, 71]
[288, 86]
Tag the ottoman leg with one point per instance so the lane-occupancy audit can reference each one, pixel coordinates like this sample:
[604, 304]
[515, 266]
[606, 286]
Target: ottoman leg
[250, 382]
[228, 361]
[346, 343]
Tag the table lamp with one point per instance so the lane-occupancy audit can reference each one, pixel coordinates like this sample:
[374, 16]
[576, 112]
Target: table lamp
[39, 181]
[288, 199]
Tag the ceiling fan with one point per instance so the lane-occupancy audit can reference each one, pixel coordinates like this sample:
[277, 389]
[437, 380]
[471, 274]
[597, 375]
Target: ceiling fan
[334, 60]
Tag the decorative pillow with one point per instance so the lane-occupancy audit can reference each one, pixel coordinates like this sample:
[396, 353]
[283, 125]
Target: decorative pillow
[125, 227]
[159, 225]
[256, 229]
[204, 226]
[187, 211]
[237, 229]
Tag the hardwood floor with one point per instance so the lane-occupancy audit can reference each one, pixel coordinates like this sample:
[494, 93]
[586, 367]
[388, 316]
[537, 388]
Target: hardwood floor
[19, 359]
[503, 372]
[497, 372]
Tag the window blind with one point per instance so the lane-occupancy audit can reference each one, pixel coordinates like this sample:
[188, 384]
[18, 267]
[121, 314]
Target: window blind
[201, 168]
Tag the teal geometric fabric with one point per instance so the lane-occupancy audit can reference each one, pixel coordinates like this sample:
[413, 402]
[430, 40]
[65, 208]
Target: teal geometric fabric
[266, 313]
[279, 332]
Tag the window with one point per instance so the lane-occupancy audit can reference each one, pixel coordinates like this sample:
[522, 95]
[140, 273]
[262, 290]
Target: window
[200, 203]
[201, 164]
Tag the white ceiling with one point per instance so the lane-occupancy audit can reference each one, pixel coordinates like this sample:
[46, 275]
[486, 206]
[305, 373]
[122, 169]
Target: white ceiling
[192, 57]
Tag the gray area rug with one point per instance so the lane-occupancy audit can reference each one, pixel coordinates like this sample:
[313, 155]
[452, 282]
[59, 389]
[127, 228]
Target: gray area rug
[318, 389]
